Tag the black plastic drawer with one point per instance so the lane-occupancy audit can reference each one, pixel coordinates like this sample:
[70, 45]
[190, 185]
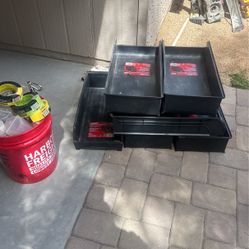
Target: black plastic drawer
[191, 81]
[93, 128]
[134, 84]
[169, 125]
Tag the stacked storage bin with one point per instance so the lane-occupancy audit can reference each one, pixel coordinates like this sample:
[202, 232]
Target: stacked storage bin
[154, 97]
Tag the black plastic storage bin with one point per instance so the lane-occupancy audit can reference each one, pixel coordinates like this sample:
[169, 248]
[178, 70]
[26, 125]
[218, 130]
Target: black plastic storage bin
[92, 126]
[148, 141]
[169, 125]
[210, 143]
[134, 84]
[191, 81]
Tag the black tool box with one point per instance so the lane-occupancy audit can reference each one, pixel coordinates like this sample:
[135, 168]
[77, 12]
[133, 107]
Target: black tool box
[191, 81]
[93, 126]
[139, 117]
[134, 83]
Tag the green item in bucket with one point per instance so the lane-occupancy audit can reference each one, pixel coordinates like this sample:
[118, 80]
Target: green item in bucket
[29, 104]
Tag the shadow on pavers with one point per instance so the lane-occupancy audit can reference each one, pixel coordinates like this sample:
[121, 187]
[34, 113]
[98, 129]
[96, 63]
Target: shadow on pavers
[134, 240]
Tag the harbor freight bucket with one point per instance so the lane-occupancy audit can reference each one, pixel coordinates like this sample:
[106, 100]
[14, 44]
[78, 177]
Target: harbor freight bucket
[31, 156]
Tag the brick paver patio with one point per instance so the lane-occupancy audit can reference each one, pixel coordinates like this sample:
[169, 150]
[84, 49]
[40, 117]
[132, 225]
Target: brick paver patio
[161, 199]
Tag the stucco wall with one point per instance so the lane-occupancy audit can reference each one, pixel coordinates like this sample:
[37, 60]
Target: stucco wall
[76, 28]
[79, 30]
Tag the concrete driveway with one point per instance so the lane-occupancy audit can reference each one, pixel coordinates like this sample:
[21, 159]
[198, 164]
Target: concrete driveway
[42, 215]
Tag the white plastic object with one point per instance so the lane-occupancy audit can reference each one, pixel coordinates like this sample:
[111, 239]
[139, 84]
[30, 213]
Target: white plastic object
[5, 113]
[16, 126]
[2, 129]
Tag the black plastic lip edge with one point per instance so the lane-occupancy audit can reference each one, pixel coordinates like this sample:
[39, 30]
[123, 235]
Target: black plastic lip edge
[117, 145]
[220, 113]
[79, 113]
[225, 122]
[226, 125]
[216, 69]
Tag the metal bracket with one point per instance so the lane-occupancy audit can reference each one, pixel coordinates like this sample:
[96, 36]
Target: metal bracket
[235, 14]
[34, 87]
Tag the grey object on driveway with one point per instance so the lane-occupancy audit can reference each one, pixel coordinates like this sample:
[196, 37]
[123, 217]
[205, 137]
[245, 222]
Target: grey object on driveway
[42, 215]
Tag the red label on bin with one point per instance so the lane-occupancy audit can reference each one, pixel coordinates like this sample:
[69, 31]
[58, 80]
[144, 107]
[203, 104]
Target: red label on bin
[100, 130]
[137, 69]
[183, 69]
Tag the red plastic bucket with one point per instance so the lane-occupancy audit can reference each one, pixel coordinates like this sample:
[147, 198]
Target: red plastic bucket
[30, 157]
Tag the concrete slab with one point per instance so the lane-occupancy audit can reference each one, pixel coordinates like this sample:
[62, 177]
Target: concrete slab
[42, 215]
